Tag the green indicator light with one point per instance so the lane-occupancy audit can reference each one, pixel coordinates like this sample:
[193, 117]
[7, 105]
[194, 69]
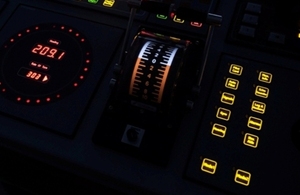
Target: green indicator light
[93, 1]
[161, 16]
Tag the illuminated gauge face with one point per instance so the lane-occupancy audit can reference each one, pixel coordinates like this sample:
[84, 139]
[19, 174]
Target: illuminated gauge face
[151, 71]
[43, 63]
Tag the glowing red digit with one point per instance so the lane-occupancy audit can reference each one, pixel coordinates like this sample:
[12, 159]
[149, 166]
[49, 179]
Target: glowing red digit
[61, 55]
[33, 75]
[37, 48]
[38, 76]
[52, 52]
[29, 74]
[44, 51]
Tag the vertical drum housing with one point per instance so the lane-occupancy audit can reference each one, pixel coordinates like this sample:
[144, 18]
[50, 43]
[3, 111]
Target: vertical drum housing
[150, 96]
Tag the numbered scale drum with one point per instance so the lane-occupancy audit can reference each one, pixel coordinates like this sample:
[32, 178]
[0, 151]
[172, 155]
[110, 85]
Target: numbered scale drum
[152, 70]
[149, 97]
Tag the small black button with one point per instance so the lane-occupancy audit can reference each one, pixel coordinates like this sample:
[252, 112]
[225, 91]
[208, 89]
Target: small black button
[276, 38]
[250, 19]
[253, 7]
[247, 31]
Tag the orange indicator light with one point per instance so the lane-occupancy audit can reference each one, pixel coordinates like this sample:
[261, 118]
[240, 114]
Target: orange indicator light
[255, 123]
[232, 83]
[236, 69]
[265, 77]
[219, 130]
[223, 114]
[242, 177]
[227, 98]
[261, 91]
[251, 140]
[178, 20]
[258, 107]
[108, 3]
[209, 166]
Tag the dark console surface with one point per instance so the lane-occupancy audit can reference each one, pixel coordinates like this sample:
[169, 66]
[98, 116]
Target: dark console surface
[150, 97]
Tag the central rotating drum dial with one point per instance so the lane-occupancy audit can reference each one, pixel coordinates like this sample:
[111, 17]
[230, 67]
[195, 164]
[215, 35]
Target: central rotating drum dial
[151, 71]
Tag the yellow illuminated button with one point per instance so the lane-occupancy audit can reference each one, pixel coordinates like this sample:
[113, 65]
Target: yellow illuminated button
[108, 3]
[219, 130]
[209, 166]
[223, 114]
[258, 107]
[261, 91]
[254, 123]
[242, 177]
[178, 20]
[227, 98]
[236, 69]
[251, 140]
[265, 77]
[232, 83]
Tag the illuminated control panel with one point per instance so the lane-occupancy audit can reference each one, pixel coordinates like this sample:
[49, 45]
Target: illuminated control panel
[47, 66]
[155, 115]
[234, 130]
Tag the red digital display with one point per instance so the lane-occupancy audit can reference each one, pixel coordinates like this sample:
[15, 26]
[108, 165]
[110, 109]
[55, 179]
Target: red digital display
[48, 51]
[34, 63]
[33, 75]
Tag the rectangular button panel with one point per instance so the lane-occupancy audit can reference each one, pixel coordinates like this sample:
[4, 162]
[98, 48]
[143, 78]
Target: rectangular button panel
[243, 116]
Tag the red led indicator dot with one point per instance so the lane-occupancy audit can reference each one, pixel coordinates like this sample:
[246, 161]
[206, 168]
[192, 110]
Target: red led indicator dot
[19, 35]
[12, 40]
[81, 77]
[62, 27]
[70, 30]
[18, 99]
[38, 101]
[172, 14]
[5, 46]
[3, 90]
[85, 69]
[87, 61]
[75, 84]
[37, 28]
[28, 101]
[77, 34]
[87, 53]
[48, 99]
[28, 31]
[58, 96]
